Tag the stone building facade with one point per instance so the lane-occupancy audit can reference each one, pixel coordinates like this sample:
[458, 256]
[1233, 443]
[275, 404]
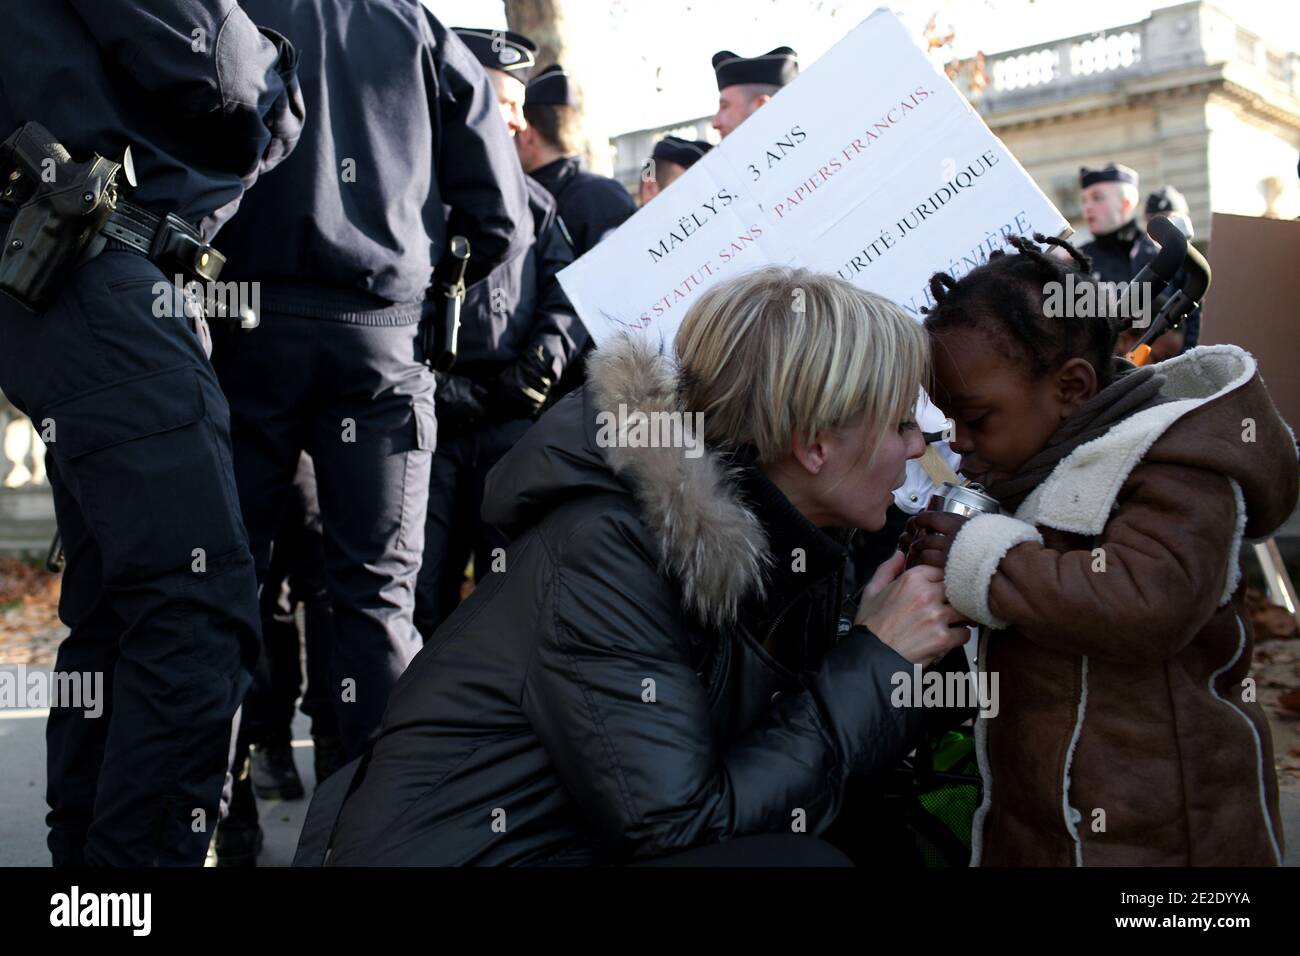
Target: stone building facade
[1187, 97]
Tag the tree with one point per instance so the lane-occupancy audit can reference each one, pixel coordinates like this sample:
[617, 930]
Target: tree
[544, 22]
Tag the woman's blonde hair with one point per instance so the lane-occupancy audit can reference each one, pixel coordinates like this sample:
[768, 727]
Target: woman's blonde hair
[781, 349]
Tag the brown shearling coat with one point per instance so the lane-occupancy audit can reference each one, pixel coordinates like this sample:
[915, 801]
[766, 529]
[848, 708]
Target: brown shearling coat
[1126, 731]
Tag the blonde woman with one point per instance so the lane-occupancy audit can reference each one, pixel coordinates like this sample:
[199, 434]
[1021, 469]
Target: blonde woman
[655, 667]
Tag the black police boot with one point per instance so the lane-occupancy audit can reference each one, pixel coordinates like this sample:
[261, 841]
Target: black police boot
[274, 775]
[328, 755]
[239, 836]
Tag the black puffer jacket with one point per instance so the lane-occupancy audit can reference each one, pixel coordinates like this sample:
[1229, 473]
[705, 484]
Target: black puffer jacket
[609, 695]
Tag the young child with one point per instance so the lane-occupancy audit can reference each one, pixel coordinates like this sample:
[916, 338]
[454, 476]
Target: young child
[1109, 590]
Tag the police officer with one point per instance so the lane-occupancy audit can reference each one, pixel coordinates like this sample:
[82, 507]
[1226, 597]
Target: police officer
[746, 83]
[159, 591]
[343, 242]
[669, 160]
[519, 333]
[590, 205]
[1118, 248]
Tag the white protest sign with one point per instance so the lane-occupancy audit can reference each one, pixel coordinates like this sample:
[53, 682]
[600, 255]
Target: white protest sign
[646, 273]
[870, 166]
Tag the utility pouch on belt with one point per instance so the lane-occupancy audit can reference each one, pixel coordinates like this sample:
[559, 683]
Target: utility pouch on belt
[61, 206]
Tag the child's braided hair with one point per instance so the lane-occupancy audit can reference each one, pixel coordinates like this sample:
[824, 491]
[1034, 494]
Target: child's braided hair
[1005, 298]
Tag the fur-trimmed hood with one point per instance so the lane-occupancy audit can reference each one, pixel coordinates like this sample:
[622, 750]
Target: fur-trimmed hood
[710, 541]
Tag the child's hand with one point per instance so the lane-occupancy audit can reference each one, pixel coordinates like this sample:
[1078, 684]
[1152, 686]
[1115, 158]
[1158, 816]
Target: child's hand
[928, 536]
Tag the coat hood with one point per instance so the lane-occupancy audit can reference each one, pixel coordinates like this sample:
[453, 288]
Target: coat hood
[709, 540]
[1218, 419]
[1218, 416]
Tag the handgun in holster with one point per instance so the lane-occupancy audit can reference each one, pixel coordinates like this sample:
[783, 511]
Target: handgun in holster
[66, 211]
[59, 207]
[441, 331]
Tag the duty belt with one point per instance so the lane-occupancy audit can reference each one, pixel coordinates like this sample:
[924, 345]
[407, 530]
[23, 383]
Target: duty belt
[61, 212]
[169, 241]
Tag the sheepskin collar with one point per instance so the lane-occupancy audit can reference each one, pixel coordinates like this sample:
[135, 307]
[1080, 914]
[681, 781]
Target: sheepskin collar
[1220, 386]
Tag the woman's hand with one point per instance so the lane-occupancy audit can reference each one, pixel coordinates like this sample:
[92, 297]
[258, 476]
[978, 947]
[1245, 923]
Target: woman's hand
[928, 536]
[907, 610]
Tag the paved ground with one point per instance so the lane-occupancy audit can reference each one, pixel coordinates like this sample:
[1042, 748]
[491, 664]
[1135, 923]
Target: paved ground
[22, 797]
[22, 794]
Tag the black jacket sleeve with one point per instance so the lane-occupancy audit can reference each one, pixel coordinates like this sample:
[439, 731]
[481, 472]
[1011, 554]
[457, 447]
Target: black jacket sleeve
[478, 170]
[209, 61]
[626, 720]
[596, 210]
[556, 326]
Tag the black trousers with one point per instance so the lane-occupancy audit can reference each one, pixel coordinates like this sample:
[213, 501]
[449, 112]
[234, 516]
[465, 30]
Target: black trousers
[296, 577]
[159, 591]
[453, 528]
[359, 400]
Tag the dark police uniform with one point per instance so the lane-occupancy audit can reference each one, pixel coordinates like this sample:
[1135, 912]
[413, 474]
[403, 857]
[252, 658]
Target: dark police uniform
[1120, 255]
[519, 332]
[515, 314]
[343, 241]
[590, 205]
[296, 577]
[159, 591]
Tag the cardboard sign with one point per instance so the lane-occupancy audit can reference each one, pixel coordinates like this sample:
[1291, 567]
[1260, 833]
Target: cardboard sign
[1253, 296]
[870, 166]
